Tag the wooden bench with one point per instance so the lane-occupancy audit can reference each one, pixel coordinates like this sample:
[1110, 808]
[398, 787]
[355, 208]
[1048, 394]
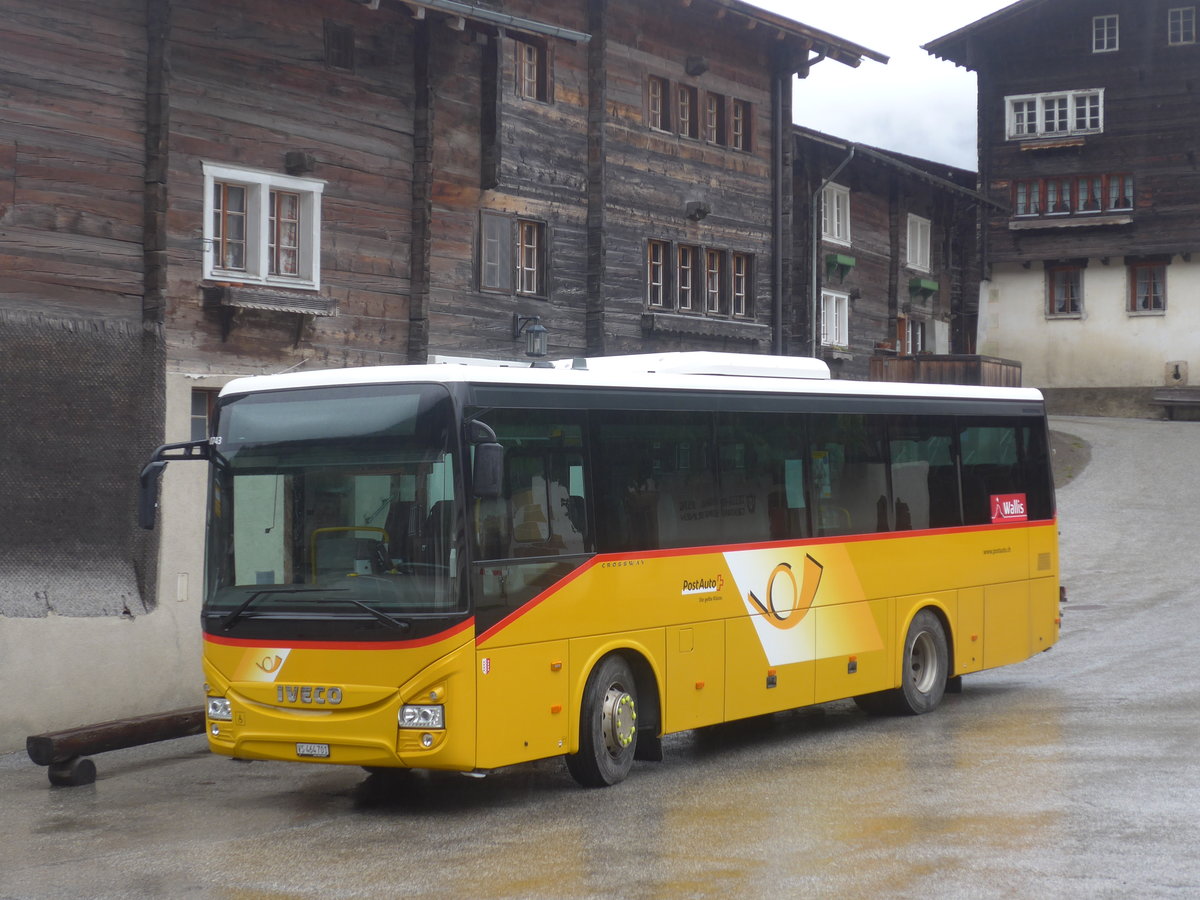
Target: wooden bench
[1176, 398]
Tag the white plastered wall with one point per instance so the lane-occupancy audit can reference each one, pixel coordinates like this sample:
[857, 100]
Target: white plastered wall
[1106, 346]
[80, 670]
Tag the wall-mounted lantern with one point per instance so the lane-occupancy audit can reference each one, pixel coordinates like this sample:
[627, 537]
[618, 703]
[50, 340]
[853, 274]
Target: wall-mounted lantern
[536, 335]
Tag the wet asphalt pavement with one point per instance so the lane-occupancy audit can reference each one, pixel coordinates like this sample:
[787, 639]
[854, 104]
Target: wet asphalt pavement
[1075, 774]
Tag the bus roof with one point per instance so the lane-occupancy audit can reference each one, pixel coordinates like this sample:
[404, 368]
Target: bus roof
[683, 371]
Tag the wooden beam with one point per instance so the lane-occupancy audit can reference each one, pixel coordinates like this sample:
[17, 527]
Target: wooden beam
[59, 746]
[62, 750]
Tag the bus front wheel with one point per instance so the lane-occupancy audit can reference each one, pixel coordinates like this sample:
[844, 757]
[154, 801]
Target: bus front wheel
[925, 672]
[607, 725]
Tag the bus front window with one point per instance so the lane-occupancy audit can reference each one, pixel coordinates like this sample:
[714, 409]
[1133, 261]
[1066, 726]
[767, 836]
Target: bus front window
[326, 500]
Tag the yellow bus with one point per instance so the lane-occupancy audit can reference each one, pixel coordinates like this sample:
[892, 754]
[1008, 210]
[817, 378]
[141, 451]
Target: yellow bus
[464, 567]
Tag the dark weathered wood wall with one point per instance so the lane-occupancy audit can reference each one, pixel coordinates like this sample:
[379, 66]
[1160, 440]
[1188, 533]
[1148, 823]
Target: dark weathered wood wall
[881, 198]
[71, 156]
[248, 83]
[1151, 128]
[652, 176]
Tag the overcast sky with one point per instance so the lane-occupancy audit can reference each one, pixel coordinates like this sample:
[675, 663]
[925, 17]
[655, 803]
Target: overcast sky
[916, 104]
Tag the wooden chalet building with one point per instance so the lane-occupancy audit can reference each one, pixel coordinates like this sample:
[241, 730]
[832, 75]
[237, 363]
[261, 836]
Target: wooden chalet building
[894, 271]
[1089, 129]
[194, 190]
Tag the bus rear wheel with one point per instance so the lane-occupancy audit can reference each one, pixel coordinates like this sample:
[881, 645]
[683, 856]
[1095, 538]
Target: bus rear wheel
[607, 725]
[926, 670]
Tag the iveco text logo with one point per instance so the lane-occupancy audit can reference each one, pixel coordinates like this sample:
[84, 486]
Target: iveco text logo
[308, 693]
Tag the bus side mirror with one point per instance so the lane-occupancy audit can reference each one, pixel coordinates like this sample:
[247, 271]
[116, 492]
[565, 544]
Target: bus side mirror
[487, 476]
[148, 492]
[148, 480]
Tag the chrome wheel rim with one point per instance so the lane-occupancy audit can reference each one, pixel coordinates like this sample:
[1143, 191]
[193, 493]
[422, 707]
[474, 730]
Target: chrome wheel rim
[619, 720]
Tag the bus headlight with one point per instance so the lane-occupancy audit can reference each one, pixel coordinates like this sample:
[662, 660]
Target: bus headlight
[422, 717]
[219, 709]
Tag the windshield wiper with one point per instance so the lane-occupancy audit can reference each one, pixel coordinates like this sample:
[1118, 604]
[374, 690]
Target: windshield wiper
[249, 601]
[377, 613]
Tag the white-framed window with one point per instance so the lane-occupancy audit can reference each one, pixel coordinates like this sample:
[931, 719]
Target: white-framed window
[1181, 25]
[658, 103]
[917, 252]
[714, 281]
[530, 264]
[1055, 114]
[835, 319]
[261, 227]
[685, 281]
[835, 214]
[687, 121]
[1105, 34]
[714, 118]
[657, 253]
[741, 284]
[739, 132]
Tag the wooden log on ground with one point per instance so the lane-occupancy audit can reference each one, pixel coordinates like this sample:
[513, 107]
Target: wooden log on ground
[62, 750]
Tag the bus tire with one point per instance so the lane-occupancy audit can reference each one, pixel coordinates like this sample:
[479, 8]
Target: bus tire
[925, 672]
[607, 725]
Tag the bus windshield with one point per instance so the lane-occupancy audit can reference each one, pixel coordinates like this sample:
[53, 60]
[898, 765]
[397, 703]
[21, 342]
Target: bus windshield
[334, 503]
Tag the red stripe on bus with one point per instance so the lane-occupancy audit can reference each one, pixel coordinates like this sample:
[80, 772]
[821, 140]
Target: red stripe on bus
[734, 548]
[343, 645]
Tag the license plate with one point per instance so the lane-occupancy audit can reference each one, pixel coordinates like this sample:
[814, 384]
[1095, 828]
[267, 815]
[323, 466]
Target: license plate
[319, 751]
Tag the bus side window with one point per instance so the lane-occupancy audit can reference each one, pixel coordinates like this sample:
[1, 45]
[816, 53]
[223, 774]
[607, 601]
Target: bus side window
[1006, 457]
[656, 480]
[849, 474]
[762, 477]
[924, 477]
